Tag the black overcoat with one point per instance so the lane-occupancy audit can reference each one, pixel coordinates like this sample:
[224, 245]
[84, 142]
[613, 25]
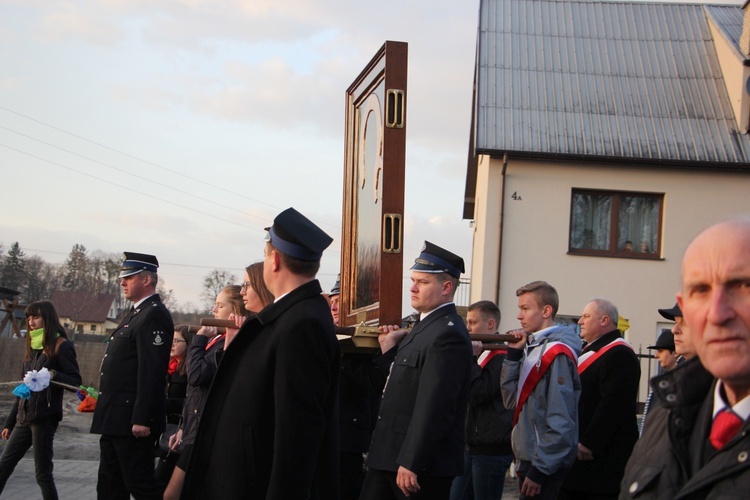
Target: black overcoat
[607, 417]
[133, 372]
[421, 421]
[269, 428]
[673, 460]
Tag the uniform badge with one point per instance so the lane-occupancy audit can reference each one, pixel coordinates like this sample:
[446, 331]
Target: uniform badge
[157, 338]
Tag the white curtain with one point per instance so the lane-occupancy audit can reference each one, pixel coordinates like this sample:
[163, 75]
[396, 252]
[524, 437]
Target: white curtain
[592, 218]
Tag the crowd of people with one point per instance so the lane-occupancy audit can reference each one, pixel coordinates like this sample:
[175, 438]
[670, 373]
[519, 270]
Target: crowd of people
[271, 407]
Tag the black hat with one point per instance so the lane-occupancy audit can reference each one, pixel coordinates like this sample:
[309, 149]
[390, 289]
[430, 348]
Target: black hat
[671, 313]
[135, 263]
[434, 259]
[296, 236]
[664, 341]
[336, 290]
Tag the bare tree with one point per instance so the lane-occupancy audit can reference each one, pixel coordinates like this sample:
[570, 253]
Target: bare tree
[213, 283]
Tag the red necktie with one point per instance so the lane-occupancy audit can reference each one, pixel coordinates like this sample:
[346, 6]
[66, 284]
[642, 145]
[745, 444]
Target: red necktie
[725, 427]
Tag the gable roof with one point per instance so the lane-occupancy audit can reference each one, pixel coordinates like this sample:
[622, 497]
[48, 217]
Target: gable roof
[82, 306]
[605, 81]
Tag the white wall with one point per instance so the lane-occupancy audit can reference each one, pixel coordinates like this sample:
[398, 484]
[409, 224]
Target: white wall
[535, 237]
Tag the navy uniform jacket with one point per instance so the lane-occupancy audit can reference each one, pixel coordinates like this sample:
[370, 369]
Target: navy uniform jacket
[422, 414]
[269, 428]
[133, 372]
[607, 417]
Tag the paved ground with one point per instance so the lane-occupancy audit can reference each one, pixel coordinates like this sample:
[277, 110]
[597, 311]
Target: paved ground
[75, 479]
[76, 458]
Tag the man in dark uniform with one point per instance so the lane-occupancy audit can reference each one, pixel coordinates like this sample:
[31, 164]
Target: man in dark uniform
[269, 428]
[417, 445]
[356, 402]
[130, 411]
[608, 428]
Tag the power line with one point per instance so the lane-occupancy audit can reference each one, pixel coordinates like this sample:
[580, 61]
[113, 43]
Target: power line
[222, 188]
[139, 177]
[129, 189]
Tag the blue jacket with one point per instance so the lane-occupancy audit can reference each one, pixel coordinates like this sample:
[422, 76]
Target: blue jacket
[546, 433]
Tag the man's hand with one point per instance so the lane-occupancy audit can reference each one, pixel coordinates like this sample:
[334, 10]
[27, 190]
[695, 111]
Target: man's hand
[530, 488]
[521, 336]
[175, 440]
[391, 336]
[406, 481]
[5, 434]
[141, 431]
[584, 454]
[476, 347]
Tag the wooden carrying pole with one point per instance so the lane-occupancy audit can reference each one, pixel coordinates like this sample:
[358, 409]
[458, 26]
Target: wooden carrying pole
[220, 324]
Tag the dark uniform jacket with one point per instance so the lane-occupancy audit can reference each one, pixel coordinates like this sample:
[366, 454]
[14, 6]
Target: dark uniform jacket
[201, 368]
[488, 422]
[269, 428]
[46, 404]
[673, 459]
[607, 417]
[422, 414]
[358, 404]
[133, 372]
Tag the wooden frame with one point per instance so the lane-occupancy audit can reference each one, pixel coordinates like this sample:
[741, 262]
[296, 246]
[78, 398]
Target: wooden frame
[373, 206]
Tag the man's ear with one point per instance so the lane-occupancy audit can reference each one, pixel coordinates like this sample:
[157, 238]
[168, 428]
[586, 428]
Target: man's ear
[275, 260]
[547, 311]
[148, 280]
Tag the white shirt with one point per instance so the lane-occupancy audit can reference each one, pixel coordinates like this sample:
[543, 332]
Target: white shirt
[742, 408]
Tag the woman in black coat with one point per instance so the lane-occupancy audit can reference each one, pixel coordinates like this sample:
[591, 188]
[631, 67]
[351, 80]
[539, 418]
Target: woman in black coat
[33, 421]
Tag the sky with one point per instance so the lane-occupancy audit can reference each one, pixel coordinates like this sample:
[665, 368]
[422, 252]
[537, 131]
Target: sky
[181, 128]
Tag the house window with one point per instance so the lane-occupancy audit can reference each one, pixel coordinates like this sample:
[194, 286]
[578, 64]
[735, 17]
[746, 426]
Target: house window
[93, 328]
[615, 223]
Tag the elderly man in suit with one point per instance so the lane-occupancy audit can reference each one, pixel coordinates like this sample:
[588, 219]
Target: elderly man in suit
[608, 429]
[131, 410]
[695, 443]
[417, 445]
[269, 428]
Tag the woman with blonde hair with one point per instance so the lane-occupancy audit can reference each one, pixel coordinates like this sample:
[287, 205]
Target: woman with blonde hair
[233, 302]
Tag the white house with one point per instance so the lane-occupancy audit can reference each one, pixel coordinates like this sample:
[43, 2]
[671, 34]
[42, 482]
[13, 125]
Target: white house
[598, 127]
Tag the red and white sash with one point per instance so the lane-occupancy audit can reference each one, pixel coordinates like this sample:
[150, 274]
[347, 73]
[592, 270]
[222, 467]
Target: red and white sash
[486, 356]
[588, 358]
[534, 368]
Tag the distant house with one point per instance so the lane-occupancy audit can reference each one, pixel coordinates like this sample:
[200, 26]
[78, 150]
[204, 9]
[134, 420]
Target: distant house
[84, 312]
[604, 136]
[11, 314]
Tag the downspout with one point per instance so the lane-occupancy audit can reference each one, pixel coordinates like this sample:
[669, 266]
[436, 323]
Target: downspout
[500, 242]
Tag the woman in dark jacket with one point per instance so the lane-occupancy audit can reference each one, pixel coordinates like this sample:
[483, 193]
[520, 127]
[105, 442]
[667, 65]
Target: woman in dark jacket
[203, 359]
[177, 384]
[33, 421]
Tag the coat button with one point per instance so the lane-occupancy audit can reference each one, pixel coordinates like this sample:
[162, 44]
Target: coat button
[633, 487]
[742, 457]
[678, 422]
[663, 384]
[671, 398]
